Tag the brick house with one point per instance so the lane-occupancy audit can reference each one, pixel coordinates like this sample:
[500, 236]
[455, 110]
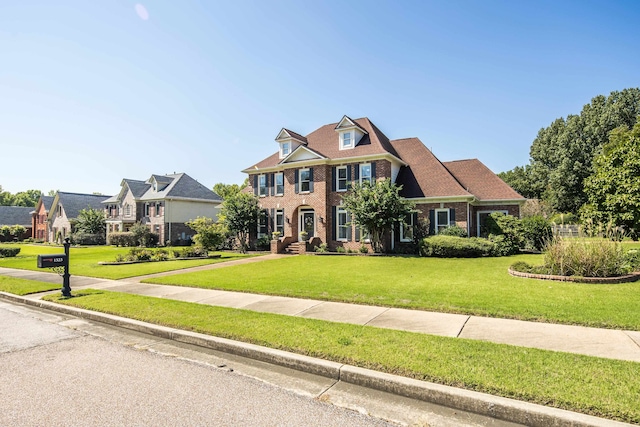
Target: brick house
[164, 203]
[40, 218]
[65, 208]
[300, 187]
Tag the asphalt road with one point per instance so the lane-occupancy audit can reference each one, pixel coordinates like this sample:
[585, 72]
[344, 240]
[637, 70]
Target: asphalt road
[56, 376]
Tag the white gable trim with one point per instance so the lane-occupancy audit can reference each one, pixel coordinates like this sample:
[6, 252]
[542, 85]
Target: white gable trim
[302, 153]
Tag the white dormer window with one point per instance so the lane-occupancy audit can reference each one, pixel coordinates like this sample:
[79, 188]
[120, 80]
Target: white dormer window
[285, 149]
[346, 140]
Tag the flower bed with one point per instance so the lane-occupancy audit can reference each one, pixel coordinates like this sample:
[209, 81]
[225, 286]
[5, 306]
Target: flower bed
[632, 277]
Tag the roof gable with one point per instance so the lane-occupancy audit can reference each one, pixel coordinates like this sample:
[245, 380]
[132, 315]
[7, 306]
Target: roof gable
[302, 153]
[424, 176]
[286, 134]
[73, 203]
[480, 181]
[347, 123]
[324, 142]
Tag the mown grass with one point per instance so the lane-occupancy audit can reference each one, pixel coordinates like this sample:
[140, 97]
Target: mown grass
[600, 387]
[18, 286]
[478, 286]
[84, 261]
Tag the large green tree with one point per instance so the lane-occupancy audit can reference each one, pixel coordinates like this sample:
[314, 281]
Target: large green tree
[239, 213]
[227, 190]
[562, 154]
[91, 221]
[613, 190]
[377, 207]
[27, 198]
[209, 234]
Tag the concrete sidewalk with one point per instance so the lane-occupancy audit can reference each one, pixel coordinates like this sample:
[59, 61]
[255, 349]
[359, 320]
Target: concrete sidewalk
[607, 343]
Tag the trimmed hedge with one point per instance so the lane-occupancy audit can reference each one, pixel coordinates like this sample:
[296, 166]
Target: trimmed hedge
[122, 239]
[80, 238]
[456, 247]
[9, 252]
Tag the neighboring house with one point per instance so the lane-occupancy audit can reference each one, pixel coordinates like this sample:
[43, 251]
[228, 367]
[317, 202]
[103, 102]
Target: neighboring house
[301, 186]
[65, 208]
[16, 215]
[164, 203]
[40, 220]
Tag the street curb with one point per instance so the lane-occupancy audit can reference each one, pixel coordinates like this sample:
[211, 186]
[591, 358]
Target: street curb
[503, 408]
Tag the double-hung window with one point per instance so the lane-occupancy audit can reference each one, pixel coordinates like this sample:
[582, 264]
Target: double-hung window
[341, 178]
[342, 224]
[285, 149]
[305, 180]
[347, 140]
[157, 209]
[262, 185]
[279, 183]
[365, 173]
[262, 223]
[406, 229]
[146, 209]
[280, 221]
[442, 219]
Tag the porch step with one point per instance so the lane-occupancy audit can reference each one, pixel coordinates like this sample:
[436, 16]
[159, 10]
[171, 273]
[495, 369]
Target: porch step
[294, 248]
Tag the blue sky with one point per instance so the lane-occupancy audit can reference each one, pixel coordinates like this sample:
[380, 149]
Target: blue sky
[95, 91]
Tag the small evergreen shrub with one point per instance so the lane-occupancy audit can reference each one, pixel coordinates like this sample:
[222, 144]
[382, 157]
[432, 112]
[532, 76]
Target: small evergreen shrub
[263, 243]
[454, 230]
[537, 232]
[364, 249]
[456, 247]
[322, 248]
[341, 250]
[632, 259]
[9, 252]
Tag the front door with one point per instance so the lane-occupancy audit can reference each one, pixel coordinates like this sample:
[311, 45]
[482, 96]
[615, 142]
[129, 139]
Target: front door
[308, 222]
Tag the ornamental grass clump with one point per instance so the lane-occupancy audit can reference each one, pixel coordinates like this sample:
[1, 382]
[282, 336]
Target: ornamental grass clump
[586, 258]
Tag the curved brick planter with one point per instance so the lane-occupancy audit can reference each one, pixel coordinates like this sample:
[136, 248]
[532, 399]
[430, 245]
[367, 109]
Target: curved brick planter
[602, 280]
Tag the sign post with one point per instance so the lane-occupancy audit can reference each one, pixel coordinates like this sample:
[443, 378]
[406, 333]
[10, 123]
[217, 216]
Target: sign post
[60, 264]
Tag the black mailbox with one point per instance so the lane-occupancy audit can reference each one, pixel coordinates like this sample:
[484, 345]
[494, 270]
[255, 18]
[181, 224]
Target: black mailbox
[56, 260]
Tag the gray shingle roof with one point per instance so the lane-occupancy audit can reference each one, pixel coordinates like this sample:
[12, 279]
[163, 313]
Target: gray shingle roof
[47, 201]
[73, 203]
[180, 186]
[15, 215]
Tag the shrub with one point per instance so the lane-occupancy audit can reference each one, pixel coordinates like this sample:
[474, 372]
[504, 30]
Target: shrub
[341, 250]
[454, 230]
[510, 228]
[140, 254]
[632, 259]
[9, 252]
[322, 248]
[160, 255]
[523, 267]
[263, 243]
[122, 239]
[190, 252]
[586, 258]
[456, 247]
[81, 238]
[537, 232]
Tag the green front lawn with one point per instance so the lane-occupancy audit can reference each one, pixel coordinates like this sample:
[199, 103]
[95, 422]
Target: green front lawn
[18, 286]
[601, 387]
[479, 286]
[84, 261]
